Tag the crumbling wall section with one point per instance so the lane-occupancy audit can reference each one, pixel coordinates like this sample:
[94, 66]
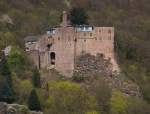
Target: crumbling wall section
[89, 67]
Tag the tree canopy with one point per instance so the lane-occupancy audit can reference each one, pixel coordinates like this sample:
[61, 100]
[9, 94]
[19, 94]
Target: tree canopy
[78, 16]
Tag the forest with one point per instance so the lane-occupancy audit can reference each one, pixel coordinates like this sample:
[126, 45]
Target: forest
[21, 83]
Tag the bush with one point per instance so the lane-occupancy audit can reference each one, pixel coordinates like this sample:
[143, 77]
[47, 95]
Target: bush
[118, 103]
[33, 101]
[36, 80]
[6, 92]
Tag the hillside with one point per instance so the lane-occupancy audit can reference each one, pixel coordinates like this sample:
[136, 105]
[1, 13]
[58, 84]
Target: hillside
[131, 19]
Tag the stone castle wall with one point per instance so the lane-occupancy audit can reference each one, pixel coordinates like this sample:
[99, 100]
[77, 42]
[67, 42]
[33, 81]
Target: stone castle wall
[66, 42]
[100, 40]
[64, 50]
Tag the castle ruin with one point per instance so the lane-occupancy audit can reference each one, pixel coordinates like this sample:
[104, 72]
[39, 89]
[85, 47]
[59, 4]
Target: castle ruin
[60, 46]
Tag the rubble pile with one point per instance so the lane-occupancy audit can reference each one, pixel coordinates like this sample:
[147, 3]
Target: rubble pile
[89, 67]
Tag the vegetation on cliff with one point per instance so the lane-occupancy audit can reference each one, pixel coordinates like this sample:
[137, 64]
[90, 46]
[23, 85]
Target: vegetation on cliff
[132, 31]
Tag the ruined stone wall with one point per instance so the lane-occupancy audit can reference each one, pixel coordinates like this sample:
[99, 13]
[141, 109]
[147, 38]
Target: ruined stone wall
[100, 40]
[63, 47]
[89, 67]
[67, 43]
[34, 57]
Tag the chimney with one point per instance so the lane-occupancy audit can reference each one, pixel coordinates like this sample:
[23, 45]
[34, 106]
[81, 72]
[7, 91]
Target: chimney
[64, 19]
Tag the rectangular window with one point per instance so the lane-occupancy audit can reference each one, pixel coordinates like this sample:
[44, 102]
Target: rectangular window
[91, 34]
[52, 58]
[109, 31]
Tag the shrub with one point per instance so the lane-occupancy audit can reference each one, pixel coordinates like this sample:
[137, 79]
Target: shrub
[33, 101]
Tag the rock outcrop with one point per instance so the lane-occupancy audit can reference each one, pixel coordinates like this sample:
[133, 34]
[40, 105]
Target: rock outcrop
[88, 67]
[6, 18]
[15, 109]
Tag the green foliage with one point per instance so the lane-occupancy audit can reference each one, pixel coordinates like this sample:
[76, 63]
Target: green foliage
[19, 63]
[102, 92]
[7, 38]
[139, 75]
[23, 88]
[16, 58]
[6, 92]
[68, 98]
[137, 106]
[6, 88]
[33, 101]
[32, 17]
[36, 80]
[92, 112]
[5, 71]
[118, 103]
[78, 16]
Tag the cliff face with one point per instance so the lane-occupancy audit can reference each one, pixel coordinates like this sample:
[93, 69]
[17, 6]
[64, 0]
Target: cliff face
[15, 109]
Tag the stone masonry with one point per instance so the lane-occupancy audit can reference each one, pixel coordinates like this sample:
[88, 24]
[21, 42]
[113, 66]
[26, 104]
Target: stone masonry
[61, 45]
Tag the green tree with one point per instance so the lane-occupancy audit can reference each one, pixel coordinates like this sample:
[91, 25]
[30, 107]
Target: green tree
[22, 88]
[18, 62]
[6, 92]
[5, 71]
[33, 101]
[78, 16]
[102, 92]
[36, 80]
[6, 88]
[118, 103]
[16, 58]
[69, 98]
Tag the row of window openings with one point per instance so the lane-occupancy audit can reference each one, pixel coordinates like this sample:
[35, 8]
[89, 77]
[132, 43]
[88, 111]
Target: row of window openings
[109, 31]
[91, 34]
[100, 38]
[84, 35]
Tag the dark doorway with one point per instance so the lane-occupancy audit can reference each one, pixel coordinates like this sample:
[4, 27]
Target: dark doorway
[52, 57]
